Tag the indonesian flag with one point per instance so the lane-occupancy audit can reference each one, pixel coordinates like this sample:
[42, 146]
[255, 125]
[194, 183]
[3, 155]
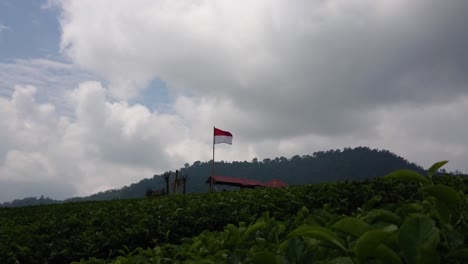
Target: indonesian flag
[221, 136]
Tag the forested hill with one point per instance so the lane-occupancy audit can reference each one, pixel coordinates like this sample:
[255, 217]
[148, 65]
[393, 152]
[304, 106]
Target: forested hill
[323, 166]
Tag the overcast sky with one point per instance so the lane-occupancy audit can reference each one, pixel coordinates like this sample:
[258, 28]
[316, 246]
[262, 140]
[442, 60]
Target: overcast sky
[100, 94]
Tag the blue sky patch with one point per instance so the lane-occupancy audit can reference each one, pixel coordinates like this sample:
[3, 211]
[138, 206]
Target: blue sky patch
[29, 30]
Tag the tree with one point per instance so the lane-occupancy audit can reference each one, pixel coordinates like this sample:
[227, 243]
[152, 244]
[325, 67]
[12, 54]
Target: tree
[359, 163]
[296, 158]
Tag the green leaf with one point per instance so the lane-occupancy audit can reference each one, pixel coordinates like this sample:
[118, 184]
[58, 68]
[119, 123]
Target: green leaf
[433, 169]
[292, 248]
[381, 215]
[455, 239]
[407, 175]
[444, 194]
[410, 208]
[418, 238]
[257, 226]
[443, 210]
[352, 226]
[429, 249]
[372, 202]
[386, 254]
[461, 253]
[265, 257]
[389, 228]
[233, 234]
[339, 260]
[319, 233]
[368, 242]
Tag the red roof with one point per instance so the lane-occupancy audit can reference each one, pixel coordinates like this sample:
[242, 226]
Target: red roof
[240, 182]
[275, 184]
[235, 181]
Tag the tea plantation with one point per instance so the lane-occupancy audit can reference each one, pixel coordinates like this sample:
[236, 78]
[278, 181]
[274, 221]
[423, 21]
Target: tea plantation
[404, 217]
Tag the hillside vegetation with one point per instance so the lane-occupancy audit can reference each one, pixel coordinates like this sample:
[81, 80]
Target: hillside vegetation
[402, 218]
[324, 166]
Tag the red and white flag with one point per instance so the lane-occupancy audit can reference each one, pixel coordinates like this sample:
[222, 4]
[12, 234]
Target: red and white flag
[221, 136]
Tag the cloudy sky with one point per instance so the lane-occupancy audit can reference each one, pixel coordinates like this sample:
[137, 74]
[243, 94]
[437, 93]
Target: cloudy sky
[99, 94]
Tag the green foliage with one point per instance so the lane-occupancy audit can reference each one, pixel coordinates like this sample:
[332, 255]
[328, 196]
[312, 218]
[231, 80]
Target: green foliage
[319, 233]
[418, 239]
[407, 175]
[352, 164]
[352, 226]
[406, 222]
[433, 169]
[369, 242]
[444, 194]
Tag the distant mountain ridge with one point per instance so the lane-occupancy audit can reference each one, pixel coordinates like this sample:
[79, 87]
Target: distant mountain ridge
[324, 166]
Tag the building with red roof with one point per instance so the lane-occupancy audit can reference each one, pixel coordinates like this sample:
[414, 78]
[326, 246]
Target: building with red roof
[245, 183]
[275, 184]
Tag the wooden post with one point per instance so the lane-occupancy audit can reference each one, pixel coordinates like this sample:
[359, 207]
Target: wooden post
[166, 178]
[175, 181]
[184, 182]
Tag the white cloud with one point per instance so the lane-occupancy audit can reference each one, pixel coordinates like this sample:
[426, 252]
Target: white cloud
[286, 77]
[290, 70]
[19, 166]
[104, 144]
[29, 132]
[101, 144]
[328, 60]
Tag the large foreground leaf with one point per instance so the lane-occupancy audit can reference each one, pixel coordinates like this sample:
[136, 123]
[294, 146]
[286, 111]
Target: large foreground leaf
[407, 175]
[418, 239]
[319, 233]
[433, 169]
[368, 242]
[444, 194]
[352, 226]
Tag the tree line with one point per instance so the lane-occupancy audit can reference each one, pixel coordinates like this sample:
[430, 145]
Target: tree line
[348, 164]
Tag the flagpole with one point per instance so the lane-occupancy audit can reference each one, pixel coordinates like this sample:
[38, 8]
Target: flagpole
[212, 163]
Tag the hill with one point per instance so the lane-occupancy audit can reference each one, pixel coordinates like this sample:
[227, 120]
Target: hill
[324, 166]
